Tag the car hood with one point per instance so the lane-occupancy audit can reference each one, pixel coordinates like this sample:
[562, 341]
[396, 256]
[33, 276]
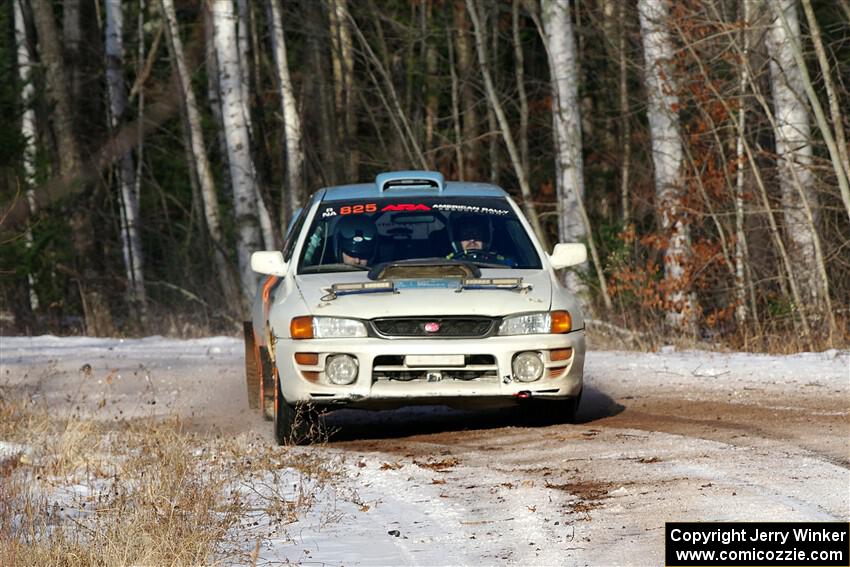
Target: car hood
[425, 296]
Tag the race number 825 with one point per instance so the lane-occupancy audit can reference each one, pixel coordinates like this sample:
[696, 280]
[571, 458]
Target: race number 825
[358, 209]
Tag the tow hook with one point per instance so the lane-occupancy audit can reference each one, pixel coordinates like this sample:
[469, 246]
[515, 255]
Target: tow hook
[524, 395]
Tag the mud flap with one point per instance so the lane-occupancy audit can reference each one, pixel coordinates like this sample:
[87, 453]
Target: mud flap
[252, 376]
[268, 383]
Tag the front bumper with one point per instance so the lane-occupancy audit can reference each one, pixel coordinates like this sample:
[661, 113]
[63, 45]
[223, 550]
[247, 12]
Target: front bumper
[372, 388]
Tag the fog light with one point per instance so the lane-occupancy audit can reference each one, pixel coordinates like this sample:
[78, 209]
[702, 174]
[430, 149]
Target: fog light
[341, 369]
[527, 367]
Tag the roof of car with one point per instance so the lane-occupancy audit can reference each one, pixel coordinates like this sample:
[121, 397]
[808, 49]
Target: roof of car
[443, 189]
[452, 189]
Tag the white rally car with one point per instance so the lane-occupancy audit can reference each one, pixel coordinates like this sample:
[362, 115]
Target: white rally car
[412, 290]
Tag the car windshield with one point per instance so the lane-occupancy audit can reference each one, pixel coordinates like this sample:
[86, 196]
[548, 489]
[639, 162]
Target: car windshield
[359, 234]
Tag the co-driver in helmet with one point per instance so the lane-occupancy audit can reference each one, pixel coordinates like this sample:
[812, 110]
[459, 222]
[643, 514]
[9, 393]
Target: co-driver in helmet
[355, 239]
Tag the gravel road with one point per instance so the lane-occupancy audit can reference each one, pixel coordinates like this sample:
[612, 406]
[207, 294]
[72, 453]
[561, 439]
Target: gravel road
[670, 436]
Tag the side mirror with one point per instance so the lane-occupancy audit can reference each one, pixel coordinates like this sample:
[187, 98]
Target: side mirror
[270, 263]
[565, 255]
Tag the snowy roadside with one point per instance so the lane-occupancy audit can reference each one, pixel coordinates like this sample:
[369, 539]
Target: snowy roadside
[662, 436]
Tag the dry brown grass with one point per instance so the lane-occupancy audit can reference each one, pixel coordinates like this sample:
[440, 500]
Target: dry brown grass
[646, 335]
[146, 493]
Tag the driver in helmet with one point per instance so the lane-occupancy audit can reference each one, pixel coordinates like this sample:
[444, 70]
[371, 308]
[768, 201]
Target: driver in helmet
[355, 236]
[472, 237]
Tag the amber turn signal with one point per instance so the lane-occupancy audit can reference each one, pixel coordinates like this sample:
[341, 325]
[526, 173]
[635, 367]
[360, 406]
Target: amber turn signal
[307, 358]
[301, 328]
[555, 355]
[561, 322]
[311, 376]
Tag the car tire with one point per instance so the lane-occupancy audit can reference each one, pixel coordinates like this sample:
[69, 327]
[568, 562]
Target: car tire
[550, 412]
[252, 373]
[292, 423]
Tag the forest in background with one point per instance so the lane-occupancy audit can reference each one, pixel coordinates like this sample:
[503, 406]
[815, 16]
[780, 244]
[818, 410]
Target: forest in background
[698, 147]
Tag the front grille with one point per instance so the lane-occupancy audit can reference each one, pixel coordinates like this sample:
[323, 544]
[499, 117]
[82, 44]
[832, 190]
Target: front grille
[480, 367]
[449, 327]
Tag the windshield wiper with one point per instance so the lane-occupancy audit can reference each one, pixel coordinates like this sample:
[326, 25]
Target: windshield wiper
[486, 264]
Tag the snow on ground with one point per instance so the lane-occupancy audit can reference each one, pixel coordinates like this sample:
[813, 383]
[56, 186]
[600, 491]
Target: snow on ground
[666, 436]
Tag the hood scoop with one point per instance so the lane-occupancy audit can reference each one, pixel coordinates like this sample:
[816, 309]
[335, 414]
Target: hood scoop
[424, 269]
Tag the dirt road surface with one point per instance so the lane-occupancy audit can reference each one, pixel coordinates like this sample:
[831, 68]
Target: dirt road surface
[667, 436]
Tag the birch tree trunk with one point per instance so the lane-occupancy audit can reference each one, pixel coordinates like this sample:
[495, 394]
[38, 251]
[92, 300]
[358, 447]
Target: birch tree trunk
[740, 235]
[519, 59]
[666, 156]
[199, 154]
[129, 199]
[213, 96]
[28, 129]
[792, 132]
[242, 173]
[292, 193]
[243, 34]
[489, 15]
[566, 128]
[527, 198]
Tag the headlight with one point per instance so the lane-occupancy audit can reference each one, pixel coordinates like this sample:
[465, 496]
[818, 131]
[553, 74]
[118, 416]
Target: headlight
[537, 323]
[341, 369]
[325, 328]
[527, 367]
[527, 324]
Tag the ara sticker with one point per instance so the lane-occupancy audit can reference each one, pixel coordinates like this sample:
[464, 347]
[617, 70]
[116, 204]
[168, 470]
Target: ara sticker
[406, 207]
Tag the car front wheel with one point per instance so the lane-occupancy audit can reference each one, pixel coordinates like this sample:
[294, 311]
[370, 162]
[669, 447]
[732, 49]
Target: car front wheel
[293, 424]
[550, 412]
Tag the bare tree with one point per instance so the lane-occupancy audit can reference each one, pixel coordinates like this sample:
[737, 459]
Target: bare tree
[293, 191]
[837, 146]
[626, 131]
[342, 64]
[740, 234]
[566, 129]
[242, 173]
[666, 156]
[28, 129]
[465, 53]
[200, 162]
[72, 39]
[399, 117]
[96, 310]
[522, 175]
[129, 199]
[792, 132]
[432, 82]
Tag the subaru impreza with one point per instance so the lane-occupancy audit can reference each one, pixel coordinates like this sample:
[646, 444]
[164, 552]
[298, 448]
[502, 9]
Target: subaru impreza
[412, 290]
